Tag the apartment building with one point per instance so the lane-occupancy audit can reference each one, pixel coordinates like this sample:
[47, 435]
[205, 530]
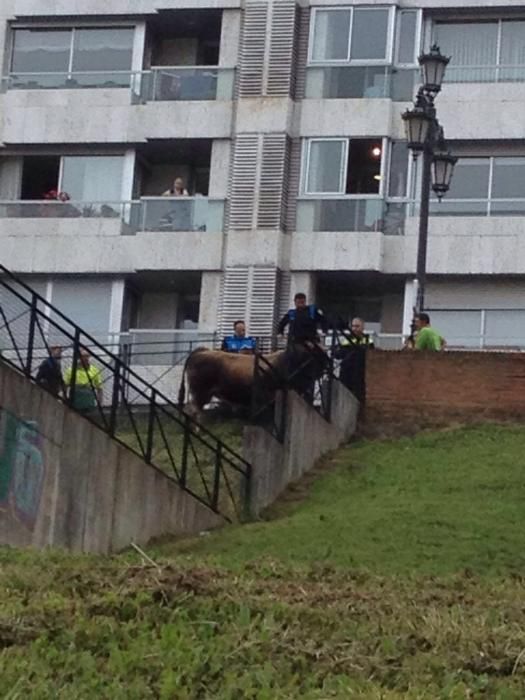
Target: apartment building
[283, 118]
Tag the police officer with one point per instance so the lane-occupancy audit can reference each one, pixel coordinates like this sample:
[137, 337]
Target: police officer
[239, 342]
[353, 345]
[303, 321]
[356, 336]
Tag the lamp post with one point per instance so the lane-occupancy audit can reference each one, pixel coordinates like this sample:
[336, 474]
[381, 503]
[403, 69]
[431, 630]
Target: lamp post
[426, 138]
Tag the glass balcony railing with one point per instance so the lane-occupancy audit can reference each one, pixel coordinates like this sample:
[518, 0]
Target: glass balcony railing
[178, 214]
[503, 73]
[342, 214]
[478, 207]
[350, 82]
[44, 209]
[67, 81]
[183, 83]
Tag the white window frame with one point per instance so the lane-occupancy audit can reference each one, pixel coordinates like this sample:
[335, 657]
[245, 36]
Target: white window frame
[349, 60]
[305, 168]
[417, 41]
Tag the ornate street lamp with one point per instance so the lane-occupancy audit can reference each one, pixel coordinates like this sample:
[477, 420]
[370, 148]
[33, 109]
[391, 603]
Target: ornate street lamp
[425, 136]
[433, 66]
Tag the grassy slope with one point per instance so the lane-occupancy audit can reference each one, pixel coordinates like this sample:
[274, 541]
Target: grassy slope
[434, 504]
[399, 576]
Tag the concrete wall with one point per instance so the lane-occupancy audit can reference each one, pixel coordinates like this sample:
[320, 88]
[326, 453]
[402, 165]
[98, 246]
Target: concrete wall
[64, 483]
[308, 438]
[423, 387]
[29, 250]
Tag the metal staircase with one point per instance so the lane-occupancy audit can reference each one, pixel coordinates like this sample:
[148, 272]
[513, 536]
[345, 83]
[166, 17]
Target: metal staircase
[124, 405]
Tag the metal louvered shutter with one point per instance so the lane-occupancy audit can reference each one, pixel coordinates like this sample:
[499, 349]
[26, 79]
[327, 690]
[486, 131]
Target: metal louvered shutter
[262, 302]
[234, 297]
[294, 183]
[244, 178]
[253, 49]
[302, 41]
[281, 55]
[273, 181]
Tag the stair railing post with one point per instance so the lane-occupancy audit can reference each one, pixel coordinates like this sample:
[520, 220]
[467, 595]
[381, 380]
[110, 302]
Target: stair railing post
[114, 398]
[185, 447]
[31, 336]
[74, 366]
[151, 425]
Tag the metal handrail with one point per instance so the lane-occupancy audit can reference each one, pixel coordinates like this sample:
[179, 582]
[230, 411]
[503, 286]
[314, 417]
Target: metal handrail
[210, 483]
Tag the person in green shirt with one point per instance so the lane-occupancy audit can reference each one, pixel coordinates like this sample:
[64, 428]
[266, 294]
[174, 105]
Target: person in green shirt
[88, 384]
[427, 338]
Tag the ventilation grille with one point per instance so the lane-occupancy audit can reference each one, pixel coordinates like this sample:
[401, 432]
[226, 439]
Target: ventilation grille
[281, 56]
[250, 294]
[244, 177]
[301, 59]
[272, 183]
[253, 48]
[294, 183]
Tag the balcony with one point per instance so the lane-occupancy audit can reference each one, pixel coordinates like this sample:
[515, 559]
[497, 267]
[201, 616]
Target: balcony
[183, 84]
[174, 214]
[502, 73]
[342, 214]
[357, 82]
[67, 81]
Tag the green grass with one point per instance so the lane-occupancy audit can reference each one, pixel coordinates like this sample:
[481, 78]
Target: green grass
[435, 504]
[397, 573]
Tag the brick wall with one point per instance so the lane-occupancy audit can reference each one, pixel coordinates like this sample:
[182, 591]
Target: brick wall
[440, 387]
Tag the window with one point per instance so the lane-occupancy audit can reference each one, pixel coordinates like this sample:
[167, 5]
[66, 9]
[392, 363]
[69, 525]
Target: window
[480, 328]
[407, 37]
[485, 186]
[360, 34]
[86, 57]
[482, 51]
[399, 163]
[343, 166]
[92, 178]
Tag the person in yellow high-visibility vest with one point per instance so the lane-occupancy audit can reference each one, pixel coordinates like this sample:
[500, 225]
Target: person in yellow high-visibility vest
[88, 384]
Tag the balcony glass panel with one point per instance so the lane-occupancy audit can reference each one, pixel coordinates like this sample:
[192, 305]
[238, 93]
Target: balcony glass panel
[67, 81]
[44, 209]
[351, 82]
[178, 214]
[184, 84]
[451, 207]
[340, 215]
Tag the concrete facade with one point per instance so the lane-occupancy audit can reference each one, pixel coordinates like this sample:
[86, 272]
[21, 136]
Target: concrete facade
[251, 149]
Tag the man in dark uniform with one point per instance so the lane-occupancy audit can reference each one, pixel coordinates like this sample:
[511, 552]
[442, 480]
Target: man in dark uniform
[49, 374]
[304, 350]
[353, 344]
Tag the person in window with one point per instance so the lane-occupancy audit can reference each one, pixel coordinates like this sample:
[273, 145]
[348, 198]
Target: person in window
[239, 342]
[49, 374]
[177, 189]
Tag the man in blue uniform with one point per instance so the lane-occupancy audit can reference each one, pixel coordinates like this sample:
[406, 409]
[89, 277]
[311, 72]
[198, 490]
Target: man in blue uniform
[239, 342]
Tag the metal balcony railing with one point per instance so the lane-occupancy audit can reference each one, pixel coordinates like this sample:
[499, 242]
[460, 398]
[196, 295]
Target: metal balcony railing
[340, 214]
[502, 73]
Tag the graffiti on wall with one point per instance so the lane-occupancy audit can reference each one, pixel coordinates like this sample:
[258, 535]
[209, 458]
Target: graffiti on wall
[22, 468]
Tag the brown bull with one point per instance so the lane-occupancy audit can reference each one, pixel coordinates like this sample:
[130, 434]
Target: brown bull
[225, 376]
